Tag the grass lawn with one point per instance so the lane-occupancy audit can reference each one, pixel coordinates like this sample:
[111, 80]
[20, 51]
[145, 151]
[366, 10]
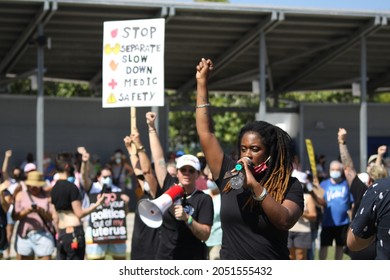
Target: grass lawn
[330, 256]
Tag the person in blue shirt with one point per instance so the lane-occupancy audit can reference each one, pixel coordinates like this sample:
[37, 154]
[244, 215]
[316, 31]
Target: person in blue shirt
[335, 219]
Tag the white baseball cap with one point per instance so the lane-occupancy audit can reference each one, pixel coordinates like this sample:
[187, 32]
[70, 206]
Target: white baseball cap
[188, 160]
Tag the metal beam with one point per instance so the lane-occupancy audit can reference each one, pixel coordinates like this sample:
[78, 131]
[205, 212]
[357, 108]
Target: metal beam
[337, 84]
[239, 47]
[375, 83]
[241, 78]
[17, 50]
[166, 12]
[27, 74]
[316, 65]
[309, 52]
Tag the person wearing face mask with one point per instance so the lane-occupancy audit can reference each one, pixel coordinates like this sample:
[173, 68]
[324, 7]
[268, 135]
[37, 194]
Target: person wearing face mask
[259, 208]
[336, 215]
[109, 217]
[201, 182]
[123, 176]
[121, 169]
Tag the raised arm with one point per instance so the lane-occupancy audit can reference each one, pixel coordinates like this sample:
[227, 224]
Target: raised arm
[147, 171]
[160, 165]
[141, 163]
[346, 160]
[134, 160]
[85, 169]
[381, 152]
[7, 156]
[208, 141]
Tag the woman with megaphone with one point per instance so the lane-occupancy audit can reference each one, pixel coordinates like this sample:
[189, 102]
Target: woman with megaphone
[186, 224]
[260, 200]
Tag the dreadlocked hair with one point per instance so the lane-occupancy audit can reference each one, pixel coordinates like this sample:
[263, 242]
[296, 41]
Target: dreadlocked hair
[279, 146]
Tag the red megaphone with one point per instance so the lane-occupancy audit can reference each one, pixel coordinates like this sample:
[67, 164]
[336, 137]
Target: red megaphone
[151, 211]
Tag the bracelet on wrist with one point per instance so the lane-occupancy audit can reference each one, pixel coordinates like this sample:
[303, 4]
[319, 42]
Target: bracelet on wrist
[262, 196]
[140, 149]
[190, 220]
[342, 142]
[203, 105]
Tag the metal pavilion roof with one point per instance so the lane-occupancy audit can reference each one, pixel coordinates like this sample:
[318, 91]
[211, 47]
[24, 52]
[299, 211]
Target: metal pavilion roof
[306, 49]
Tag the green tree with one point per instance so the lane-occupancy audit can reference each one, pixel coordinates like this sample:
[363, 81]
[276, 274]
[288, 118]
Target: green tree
[230, 110]
[227, 122]
[52, 88]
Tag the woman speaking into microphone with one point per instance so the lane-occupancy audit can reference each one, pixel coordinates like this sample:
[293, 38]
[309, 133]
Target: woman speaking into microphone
[187, 224]
[260, 200]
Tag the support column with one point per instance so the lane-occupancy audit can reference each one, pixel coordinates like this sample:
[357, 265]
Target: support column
[41, 42]
[363, 105]
[262, 58]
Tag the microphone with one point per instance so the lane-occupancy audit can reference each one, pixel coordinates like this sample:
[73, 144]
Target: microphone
[104, 189]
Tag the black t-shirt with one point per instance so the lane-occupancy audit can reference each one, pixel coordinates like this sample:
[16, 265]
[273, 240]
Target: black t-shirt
[3, 216]
[247, 232]
[177, 241]
[3, 234]
[145, 240]
[63, 194]
[373, 217]
[357, 189]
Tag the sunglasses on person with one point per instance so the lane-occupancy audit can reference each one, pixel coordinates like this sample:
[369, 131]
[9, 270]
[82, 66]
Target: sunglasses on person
[190, 170]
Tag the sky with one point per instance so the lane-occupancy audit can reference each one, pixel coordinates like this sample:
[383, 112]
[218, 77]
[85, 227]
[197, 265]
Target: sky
[371, 5]
[325, 4]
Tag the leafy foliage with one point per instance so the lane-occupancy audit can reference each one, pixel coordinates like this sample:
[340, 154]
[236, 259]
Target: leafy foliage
[230, 111]
[67, 89]
[51, 88]
[182, 130]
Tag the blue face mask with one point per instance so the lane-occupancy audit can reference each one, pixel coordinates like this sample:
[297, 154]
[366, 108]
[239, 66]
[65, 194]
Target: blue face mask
[335, 174]
[71, 179]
